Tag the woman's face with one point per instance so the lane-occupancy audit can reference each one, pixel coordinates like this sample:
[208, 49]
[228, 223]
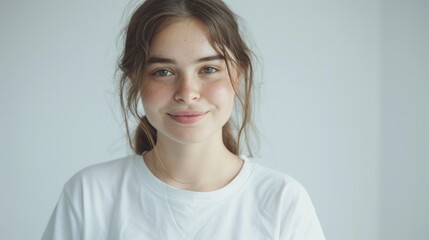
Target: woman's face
[187, 95]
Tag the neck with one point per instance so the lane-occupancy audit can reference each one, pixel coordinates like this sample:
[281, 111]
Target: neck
[193, 166]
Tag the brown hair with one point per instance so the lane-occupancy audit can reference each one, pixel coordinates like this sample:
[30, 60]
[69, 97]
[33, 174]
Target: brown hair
[150, 18]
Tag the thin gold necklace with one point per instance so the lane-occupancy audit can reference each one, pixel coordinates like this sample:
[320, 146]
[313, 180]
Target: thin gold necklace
[166, 172]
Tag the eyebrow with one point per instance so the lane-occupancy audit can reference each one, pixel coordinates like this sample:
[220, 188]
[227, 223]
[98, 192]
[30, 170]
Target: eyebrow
[155, 59]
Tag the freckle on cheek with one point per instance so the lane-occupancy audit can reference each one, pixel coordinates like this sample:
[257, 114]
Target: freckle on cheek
[156, 95]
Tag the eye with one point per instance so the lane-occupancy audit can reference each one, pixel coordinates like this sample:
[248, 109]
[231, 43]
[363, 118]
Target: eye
[209, 70]
[163, 73]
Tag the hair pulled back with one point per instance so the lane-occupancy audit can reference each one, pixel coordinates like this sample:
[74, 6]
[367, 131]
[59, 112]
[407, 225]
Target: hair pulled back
[150, 18]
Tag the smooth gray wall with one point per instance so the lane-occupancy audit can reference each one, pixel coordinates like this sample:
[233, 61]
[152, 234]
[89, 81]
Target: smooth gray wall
[326, 77]
[405, 117]
[58, 107]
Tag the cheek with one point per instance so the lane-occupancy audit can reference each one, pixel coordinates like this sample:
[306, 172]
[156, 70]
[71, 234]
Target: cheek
[154, 94]
[221, 92]
[154, 98]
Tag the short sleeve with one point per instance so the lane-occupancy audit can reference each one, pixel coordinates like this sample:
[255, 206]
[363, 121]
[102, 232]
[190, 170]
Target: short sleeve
[64, 223]
[300, 219]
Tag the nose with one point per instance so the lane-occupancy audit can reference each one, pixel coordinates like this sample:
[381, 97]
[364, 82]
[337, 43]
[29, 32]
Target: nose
[187, 90]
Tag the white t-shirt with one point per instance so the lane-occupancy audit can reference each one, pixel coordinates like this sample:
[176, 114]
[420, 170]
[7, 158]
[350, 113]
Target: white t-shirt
[122, 199]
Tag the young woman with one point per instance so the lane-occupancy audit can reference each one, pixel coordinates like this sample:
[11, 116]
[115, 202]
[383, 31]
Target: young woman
[186, 63]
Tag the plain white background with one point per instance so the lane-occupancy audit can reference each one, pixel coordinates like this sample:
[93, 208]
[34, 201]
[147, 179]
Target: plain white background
[343, 106]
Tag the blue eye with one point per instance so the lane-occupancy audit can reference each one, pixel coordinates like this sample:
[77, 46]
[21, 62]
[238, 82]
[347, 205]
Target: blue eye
[163, 73]
[209, 70]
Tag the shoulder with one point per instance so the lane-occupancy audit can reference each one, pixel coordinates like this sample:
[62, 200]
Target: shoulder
[278, 192]
[87, 199]
[283, 196]
[272, 182]
[102, 175]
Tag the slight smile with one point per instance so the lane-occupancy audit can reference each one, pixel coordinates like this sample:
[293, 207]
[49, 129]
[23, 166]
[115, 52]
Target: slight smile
[187, 117]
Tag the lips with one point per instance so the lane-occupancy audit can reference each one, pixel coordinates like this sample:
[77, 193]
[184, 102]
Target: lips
[187, 117]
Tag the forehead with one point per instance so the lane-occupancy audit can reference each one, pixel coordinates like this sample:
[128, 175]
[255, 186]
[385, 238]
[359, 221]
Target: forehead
[183, 40]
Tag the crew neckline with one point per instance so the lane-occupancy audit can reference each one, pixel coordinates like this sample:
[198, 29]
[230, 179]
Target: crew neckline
[150, 181]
